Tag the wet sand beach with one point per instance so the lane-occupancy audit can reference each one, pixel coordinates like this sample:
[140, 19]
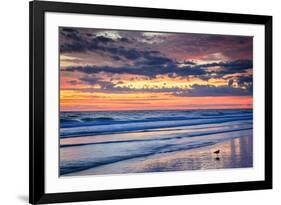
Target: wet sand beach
[234, 153]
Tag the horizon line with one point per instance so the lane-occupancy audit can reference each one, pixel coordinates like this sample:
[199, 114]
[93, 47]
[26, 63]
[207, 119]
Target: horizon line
[248, 108]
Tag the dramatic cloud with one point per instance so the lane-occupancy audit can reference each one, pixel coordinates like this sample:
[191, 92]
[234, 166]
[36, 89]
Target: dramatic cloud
[118, 66]
[143, 70]
[153, 65]
[210, 90]
[96, 81]
[231, 67]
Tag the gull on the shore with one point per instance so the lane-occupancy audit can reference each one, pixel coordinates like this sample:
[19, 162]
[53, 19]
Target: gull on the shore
[217, 153]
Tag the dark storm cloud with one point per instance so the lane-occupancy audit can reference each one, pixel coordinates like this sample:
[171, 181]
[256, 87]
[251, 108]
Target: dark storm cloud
[152, 66]
[79, 44]
[75, 41]
[146, 62]
[148, 71]
[224, 68]
[97, 81]
[231, 67]
[71, 34]
[246, 81]
[70, 30]
[108, 86]
[156, 60]
[194, 91]
[189, 63]
[126, 40]
[105, 46]
[73, 82]
[210, 90]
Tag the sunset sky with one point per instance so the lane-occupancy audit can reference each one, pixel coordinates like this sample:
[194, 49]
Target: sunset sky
[135, 70]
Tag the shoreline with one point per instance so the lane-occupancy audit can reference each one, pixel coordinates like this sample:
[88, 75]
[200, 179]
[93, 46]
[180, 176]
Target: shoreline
[234, 153]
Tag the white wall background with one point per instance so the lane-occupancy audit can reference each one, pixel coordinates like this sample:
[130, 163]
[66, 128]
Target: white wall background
[14, 100]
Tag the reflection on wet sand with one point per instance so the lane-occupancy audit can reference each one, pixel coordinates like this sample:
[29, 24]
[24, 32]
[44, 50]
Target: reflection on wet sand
[234, 153]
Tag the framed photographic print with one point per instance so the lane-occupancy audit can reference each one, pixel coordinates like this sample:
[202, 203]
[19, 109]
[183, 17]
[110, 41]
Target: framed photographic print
[140, 102]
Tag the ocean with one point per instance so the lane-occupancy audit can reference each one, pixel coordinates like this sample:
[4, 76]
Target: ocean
[122, 142]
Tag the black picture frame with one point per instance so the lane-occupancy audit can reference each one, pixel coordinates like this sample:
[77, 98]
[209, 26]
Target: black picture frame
[37, 194]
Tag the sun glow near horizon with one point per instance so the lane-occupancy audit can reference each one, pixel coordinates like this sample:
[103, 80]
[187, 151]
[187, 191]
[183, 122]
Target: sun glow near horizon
[76, 101]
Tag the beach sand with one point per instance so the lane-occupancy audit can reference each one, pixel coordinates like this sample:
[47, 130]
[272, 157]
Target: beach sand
[234, 153]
